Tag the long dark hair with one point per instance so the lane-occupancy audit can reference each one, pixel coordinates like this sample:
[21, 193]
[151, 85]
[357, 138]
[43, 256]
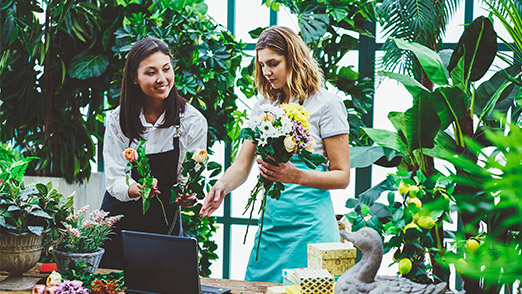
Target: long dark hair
[132, 98]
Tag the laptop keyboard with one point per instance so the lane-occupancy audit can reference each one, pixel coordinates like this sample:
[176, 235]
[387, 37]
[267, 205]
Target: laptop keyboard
[213, 290]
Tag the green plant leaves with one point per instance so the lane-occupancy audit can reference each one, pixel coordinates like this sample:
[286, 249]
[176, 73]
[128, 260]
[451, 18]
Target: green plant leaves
[88, 66]
[363, 156]
[478, 44]
[387, 139]
[450, 104]
[422, 123]
[486, 91]
[429, 60]
[411, 84]
[313, 24]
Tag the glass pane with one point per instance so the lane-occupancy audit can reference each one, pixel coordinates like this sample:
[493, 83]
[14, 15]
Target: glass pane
[217, 9]
[241, 252]
[455, 27]
[250, 15]
[482, 9]
[217, 265]
[287, 19]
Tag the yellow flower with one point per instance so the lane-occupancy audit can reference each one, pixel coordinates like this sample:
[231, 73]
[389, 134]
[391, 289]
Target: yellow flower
[297, 113]
[200, 155]
[290, 144]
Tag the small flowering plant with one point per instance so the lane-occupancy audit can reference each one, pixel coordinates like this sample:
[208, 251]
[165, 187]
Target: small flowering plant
[280, 133]
[196, 163]
[136, 158]
[84, 234]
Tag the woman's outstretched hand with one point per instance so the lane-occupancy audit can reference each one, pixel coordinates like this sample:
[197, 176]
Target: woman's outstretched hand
[213, 200]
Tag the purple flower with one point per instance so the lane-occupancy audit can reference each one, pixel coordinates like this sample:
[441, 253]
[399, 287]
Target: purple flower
[71, 287]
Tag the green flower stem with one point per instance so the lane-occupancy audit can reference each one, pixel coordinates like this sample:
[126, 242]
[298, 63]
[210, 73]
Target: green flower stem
[263, 206]
[163, 209]
[176, 212]
[250, 204]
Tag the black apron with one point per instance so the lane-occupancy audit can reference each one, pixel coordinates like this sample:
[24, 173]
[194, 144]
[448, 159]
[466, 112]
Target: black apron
[164, 167]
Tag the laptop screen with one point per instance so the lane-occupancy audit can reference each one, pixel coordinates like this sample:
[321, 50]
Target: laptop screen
[155, 263]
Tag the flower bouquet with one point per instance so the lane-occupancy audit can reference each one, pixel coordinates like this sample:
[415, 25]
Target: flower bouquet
[280, 133]
[195, 183]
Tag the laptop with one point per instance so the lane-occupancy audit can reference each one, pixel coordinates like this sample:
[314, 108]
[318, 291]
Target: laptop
[155, 263]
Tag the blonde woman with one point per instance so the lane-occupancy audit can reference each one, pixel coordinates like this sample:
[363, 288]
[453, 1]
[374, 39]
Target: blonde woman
[286, 72]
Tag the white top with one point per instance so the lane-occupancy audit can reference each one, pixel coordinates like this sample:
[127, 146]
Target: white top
[193, 135]
[328, 116]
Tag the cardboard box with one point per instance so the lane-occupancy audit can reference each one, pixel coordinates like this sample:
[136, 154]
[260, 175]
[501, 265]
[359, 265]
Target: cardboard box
[314, 281]
[336, 257]
[276, 290]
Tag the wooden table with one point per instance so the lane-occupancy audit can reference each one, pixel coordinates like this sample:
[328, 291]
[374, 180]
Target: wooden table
[237, 286]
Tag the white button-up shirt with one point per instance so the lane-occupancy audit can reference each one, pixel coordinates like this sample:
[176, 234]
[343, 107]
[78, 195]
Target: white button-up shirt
[193, 136]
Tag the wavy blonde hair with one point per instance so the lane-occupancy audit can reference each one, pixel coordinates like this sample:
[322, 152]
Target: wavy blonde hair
[304, 75]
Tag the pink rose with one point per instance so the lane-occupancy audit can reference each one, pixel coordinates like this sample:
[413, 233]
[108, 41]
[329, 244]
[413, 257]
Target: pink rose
[130, 154]
[38, 289]
[50, 290]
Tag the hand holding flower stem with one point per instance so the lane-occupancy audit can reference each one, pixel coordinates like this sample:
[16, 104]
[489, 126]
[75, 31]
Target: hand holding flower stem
[193, 167]
[136, 158]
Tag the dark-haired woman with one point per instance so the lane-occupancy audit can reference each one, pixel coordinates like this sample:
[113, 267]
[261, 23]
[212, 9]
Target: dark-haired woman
[150, 109]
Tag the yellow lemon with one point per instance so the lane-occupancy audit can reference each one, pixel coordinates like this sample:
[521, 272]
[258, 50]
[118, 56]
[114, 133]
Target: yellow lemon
[411, 226]
[415, 201]
[405, 266]
[472, 245]
[426, 222]
[414, 190]
[461, 265]
[404, 188]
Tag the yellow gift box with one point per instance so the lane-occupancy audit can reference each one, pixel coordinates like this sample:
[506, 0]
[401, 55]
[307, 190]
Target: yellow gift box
[314, 281]
[335, 257]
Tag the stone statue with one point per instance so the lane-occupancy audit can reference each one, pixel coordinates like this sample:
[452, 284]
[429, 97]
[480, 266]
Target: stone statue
[361, 278]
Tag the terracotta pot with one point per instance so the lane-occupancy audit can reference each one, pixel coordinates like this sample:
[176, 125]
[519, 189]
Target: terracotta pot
[64, 258]
[18, 253]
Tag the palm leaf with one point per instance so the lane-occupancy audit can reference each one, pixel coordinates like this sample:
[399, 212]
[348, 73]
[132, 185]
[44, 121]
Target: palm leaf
[421, 21]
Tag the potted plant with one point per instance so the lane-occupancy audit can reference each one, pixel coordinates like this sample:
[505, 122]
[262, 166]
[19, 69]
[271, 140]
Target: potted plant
[82, 238]
[26, 215]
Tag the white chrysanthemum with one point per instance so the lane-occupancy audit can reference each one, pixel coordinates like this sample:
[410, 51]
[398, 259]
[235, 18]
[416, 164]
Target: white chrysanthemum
[286, 125]
[262, 140]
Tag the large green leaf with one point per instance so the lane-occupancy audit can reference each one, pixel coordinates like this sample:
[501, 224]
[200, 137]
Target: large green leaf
[450, 103]
[371, 195]
[88, 66]
[429, 60]
[487, 89]
[387, 139]
[422, 123]
[363, 156]
[411, 84]
[478, 44]
[313, 24]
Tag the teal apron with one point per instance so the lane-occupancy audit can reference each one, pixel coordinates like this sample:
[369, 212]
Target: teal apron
[302, 215]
